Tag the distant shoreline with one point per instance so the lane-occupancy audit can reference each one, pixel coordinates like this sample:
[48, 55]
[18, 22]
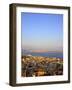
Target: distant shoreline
[48, 54]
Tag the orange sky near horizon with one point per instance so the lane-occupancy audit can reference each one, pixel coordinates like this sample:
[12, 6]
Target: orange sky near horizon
[39, 51]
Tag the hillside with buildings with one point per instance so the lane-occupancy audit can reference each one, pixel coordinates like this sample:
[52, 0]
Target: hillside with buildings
[41, 66]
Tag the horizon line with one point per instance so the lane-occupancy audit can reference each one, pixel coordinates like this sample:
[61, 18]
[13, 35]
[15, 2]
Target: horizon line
[43, 51]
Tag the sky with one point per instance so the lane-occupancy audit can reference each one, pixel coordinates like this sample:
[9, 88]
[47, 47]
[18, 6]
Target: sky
[42, 32]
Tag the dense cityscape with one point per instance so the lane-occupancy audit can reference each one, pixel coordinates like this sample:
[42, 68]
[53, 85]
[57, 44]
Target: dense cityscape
[33, 66]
